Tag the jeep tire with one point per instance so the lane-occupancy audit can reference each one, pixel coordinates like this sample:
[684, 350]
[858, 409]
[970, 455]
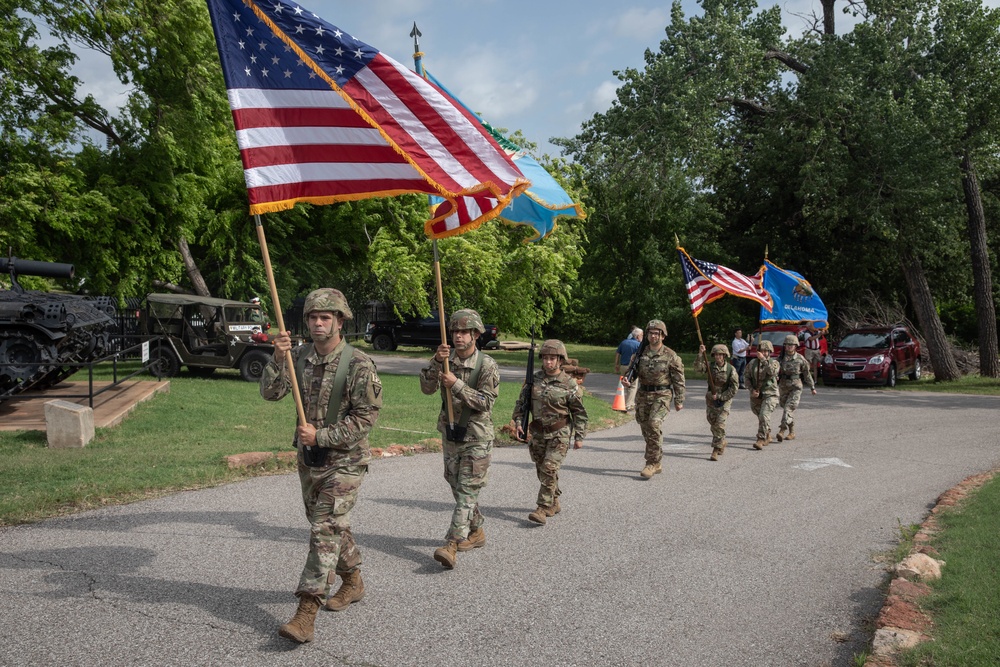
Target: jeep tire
[383, 343]
[252, 365]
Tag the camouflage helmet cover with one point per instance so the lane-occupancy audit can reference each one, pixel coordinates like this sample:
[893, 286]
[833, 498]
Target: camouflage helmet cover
[720, 349]
[327, 299]
[466, 319]
[657, 324]
[766, 346]
[556, 347]
[791, 339]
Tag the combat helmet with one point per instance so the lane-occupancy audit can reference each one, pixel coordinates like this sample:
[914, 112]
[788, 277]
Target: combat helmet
[791, 339]
[657, 324]
[556, 347]
[328, 299]
[720, 349]
[766, 346]
[466, 319]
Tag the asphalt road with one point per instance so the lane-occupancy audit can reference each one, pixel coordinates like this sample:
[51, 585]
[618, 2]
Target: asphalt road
[763, 558]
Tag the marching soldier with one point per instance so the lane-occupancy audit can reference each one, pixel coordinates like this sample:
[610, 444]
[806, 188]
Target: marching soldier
[761, 377]
[559, 418]
[341, 396]
[661, 380]
[719, 397]
[795, 371]
[474, 380]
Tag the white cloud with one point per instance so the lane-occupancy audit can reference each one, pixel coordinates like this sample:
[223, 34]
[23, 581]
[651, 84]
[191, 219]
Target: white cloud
[641, 25]
[602, 96]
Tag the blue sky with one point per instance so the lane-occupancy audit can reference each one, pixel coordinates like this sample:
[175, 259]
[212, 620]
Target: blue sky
[542, 67]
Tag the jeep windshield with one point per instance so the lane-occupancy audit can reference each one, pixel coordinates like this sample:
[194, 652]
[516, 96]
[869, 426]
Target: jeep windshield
[858, 341]
[777, 338]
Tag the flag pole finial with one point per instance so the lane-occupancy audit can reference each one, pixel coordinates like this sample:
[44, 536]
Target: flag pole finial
[765, 251]
[677, 240]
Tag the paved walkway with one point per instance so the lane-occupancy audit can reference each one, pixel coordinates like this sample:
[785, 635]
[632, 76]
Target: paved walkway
[763, 558]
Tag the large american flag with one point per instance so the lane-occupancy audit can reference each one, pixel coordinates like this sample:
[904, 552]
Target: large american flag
[322, 117]
[707, 282]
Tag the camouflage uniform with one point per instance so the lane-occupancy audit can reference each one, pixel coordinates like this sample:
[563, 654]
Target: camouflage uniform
[467, 463]
[560, 419]
[330, 490]
[762, 376]
[795, 371]
[661, 380]
[726, 381]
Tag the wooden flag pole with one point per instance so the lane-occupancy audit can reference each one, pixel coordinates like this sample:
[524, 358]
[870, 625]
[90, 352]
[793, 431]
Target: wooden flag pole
[281, 320]
[444, 327]
[708, 362]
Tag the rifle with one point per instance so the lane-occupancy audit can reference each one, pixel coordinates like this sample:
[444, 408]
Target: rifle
[633, 365]
[529, 382]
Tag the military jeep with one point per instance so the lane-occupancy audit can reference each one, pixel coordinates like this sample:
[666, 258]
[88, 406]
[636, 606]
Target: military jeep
[204, 333]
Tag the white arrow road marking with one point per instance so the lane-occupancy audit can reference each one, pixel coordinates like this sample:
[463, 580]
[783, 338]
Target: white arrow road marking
[816, 464]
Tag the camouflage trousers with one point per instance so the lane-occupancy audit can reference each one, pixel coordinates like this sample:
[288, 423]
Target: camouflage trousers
[650, 410]
[329, 495]
[763, 406]
[548, 455]
[466, 468]
[789, 399]
[717, 416]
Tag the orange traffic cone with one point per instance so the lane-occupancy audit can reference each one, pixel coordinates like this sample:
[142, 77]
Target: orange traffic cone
[619, 403]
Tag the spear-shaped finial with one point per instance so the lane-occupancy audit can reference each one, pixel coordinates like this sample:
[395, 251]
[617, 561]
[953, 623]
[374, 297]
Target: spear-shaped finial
[416, 35]
[418, 66]
[677, 240]
[765, 251]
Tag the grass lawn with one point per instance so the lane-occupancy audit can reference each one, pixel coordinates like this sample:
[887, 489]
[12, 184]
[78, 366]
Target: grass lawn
[178, 441]
[965, 602]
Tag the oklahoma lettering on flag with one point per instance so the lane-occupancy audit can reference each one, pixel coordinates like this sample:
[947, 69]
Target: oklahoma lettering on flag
[706, 282]
[322, 117]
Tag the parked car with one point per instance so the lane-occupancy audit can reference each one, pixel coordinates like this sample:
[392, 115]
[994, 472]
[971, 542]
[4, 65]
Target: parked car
[205, 333]
[873, 355]
[776, 334]
[386, 335]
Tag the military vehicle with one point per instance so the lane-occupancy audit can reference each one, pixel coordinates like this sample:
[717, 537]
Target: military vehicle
[46, 336]
[204, 333]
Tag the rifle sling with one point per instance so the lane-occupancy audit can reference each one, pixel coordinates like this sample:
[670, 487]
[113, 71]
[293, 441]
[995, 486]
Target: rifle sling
[334, 407]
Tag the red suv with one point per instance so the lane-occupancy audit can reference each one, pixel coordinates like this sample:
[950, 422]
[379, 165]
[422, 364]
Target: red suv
[873, 355]
[776, 334]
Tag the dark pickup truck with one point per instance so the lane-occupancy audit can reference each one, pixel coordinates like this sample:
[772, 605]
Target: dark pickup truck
[385, 335]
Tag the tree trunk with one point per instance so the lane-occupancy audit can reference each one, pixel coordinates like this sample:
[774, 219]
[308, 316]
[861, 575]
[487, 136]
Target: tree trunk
[982, 281]
[194, 274]
[945, 368]
[943, 361]
[829, 24]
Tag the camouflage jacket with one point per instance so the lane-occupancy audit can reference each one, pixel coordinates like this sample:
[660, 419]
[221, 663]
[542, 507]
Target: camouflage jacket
[762, 376]
[347, 438]
[555, 399]
[480, 398]
[724, 377]
[795, 372]
[661, 368]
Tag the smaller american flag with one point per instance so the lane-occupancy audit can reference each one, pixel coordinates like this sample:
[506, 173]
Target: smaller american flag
[707, 282]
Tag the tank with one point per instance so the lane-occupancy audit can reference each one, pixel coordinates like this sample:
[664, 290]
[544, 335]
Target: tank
[41, 333]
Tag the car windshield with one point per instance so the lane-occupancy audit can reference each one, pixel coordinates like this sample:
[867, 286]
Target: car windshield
[777, 338]
[879, 341]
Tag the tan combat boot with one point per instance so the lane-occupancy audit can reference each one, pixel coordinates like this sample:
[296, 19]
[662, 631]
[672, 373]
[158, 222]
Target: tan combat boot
[716, 453]
[300, 628]
[759, 444]
[781, 434]
[539, 515]
[651, 469]
[447, 555]
[351, 590]
[767, 440]
[553, 509]
[791, 432]
[476, 539]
